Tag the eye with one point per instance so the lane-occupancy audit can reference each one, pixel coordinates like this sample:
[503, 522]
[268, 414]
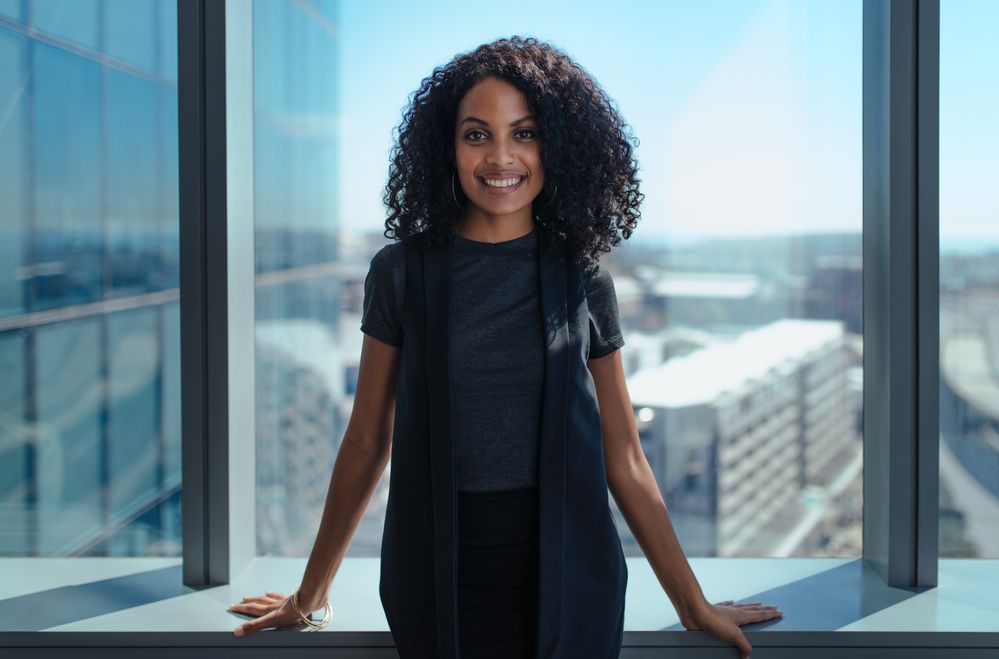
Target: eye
[529, 131]
[470, 133]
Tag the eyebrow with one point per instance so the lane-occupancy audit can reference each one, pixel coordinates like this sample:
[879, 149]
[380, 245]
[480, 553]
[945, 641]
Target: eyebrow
[486, 123]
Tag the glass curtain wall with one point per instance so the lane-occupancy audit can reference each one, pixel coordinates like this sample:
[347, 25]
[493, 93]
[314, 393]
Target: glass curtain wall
[89, 319]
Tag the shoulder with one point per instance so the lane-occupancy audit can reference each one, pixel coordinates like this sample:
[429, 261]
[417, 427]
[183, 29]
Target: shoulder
[388, 256]
[389, 263]
[598, 281]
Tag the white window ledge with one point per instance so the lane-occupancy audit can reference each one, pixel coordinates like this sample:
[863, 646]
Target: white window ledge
[832, 607]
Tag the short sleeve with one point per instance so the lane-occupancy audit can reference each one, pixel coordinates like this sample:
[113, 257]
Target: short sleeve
[605, 325]
[381, 310]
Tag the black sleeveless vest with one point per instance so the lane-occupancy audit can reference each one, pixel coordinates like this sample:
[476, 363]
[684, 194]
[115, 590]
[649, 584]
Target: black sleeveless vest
[582, 571]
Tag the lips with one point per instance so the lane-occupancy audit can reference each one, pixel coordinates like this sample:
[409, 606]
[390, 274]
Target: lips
[503, 173]
[502, 190]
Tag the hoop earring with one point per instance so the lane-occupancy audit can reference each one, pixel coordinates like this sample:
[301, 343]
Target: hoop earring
[453, 196]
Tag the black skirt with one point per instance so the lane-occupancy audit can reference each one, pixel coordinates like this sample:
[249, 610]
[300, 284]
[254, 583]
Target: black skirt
[498, 574]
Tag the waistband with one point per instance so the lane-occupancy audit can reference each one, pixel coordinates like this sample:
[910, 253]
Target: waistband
[502, 516]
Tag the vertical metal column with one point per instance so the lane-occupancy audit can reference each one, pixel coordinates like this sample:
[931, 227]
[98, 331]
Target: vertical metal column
[194, 348]
[216, 283]
[901, 289]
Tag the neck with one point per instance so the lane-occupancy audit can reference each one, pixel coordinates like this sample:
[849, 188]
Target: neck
[494, 228]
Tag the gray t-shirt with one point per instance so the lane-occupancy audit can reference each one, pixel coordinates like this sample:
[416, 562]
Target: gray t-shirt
[496, 347]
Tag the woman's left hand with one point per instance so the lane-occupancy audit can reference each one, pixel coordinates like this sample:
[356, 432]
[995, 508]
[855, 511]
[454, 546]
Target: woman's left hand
[722, 620]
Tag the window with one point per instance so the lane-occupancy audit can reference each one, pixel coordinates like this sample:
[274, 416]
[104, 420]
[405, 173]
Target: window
[759, 101]
[89, 325]
[306, 342]
[969, 281]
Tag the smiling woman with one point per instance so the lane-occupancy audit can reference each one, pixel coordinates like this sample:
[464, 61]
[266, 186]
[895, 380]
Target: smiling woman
[505, 338]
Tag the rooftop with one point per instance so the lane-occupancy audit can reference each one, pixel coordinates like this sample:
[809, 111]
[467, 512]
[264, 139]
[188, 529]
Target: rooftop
[704, 375]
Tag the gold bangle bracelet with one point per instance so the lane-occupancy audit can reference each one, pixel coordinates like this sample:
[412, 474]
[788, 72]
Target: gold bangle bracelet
[327, 614]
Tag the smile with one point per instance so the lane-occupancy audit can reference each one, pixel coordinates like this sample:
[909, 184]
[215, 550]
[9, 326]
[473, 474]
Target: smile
[502, 186]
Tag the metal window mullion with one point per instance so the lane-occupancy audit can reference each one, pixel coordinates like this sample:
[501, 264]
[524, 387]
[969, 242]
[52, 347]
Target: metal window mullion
[901, 433]
[216, 295]
[216, 245]
[927, 277]
[202, 301]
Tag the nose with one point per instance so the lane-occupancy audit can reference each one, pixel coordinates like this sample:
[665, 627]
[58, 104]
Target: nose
[500, 153]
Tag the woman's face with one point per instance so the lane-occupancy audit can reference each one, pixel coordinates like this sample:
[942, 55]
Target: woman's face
[496, 140]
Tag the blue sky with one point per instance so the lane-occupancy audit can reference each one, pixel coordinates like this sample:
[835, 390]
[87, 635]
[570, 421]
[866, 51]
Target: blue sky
[748, 113]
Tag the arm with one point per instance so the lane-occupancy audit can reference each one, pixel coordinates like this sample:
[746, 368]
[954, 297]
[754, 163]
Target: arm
[363, 455]
[360, 462]
[636, 492]
[633, 485]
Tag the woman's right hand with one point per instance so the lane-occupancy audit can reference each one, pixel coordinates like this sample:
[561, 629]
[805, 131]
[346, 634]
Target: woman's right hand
[271, 610]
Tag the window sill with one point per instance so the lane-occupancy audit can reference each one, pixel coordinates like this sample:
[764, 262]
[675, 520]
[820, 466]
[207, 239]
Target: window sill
[827, 603]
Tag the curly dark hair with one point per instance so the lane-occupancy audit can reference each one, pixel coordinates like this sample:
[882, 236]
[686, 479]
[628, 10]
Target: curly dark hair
[586, 150]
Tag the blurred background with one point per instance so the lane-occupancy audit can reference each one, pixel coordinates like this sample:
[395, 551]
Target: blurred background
[740, 294]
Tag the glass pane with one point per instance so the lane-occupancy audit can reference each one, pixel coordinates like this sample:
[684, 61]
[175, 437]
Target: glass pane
[77, 21]
[14, 230]
[11, 9]
[67, 190]
[68, 478]
[135, 162]
[133, 417]
[167, 26]
[131, 30]
[299, 371]
[15, 447]
[90, 398]
[739, 296]
[969, 280]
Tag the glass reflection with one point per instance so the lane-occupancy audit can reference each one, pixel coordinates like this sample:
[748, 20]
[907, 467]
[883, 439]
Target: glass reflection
[90, 399]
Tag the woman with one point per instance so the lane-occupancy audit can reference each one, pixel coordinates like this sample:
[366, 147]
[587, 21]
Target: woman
[490, 373]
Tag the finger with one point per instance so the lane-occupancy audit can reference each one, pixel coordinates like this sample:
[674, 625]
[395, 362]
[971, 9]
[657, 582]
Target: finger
[742, 643]
[277, 595]
[252, 608]
[763, 609]
[724, 602]
[258, 599]
[252, 626]
[749, 617]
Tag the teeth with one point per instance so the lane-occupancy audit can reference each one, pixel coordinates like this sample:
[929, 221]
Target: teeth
[502, 182]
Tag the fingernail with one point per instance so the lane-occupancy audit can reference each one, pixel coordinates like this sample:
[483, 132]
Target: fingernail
[238, 632]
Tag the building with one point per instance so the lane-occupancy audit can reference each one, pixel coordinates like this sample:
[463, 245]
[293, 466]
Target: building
[736, 431]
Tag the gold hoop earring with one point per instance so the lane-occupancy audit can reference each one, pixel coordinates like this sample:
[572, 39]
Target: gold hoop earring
[453, 196]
